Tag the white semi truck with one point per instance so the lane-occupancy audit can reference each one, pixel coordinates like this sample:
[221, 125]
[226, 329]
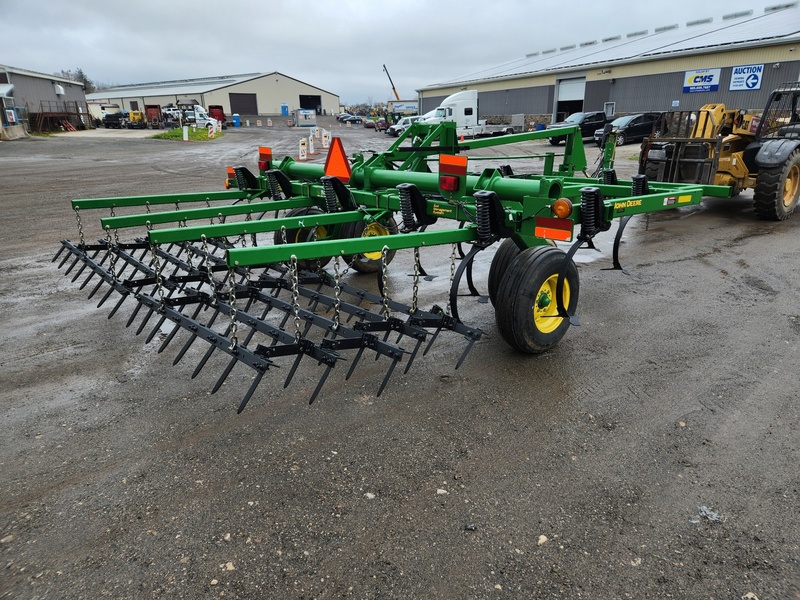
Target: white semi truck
[462, 108]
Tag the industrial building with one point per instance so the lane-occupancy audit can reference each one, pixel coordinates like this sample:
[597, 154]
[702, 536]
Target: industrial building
[40, 102]
[735, 59]
[250, 94]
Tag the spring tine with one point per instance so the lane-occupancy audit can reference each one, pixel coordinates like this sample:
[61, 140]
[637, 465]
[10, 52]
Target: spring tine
[235, 359]
[63, 260]
[81, 270]
[133, 314]
[203, 362]
[355, 362]
[388, 374]
[433, 339]
[87, 280]
[250, 391]
[466, 351]
[122, 299]
[104, 298]
[351, 315]
[155, 329]
[192, 338]
[97, 287]
[176, 329]
[385, 337]
[58, 253]
[293, 370]
[74, 262]
[224, 375]
[413, 355]
[320, 384]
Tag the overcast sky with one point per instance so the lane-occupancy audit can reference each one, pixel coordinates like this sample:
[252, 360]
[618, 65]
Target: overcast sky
[339, 46]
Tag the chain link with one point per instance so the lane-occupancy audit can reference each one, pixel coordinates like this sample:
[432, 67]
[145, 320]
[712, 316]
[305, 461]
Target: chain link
[295, 296]
[385, 282]
[80, 225]
[337, 291]
[208, 270]
[452, 273]
[415, 286]
[232, 303]
[112, 250]
[157, 264]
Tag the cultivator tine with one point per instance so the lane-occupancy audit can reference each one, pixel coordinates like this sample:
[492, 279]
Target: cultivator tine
[250, 390]
[114, 310]
[322, 381]
[58, 253]
[386, 378]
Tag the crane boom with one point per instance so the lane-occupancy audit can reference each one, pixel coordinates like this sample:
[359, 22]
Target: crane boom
[396, 95]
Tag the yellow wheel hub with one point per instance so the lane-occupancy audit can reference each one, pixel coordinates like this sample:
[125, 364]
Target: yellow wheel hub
[545, 305]
[791, 186]
[372, 230]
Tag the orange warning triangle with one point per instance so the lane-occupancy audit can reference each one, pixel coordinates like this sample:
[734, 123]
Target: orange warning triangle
[337, 165]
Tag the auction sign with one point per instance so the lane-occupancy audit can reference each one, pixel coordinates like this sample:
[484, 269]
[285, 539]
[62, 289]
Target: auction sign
[746, 77]
[704, 80]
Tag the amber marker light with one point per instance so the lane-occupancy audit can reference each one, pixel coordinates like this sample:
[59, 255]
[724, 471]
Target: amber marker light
[562, 208]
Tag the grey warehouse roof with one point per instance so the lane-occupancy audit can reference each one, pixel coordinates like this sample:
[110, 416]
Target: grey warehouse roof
[776, 24]
[183, 87]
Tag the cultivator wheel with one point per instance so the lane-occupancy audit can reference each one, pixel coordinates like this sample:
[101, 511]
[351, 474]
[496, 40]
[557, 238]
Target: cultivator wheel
[369, 262]
[528, 311]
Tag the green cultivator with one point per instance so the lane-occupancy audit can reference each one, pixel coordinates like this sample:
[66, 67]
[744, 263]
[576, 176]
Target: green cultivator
[266, 270]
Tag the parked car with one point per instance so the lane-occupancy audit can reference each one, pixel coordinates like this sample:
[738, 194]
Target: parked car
[630, 128]
[369, 124]
[402, 125]
[353, 120]
[587, 121]
[342, 116]
[381, 125]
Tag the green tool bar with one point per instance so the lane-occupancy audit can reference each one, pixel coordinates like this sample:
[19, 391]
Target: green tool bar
[91, 203]
[190, 214]
[687, 196]
[186, 234]
[262, 255]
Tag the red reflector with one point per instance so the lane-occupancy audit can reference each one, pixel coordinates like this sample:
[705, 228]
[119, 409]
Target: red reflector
[553, 229]
[263, 165]
[453, 165]
[448, 183]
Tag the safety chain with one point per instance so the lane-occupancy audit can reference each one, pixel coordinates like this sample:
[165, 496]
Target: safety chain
[113, 247]
[283, 234]
[232, 303]
[337, 291]
[249, 217]
[157, 265]
[295, 296]
[415, 286]
[385, 282]
[80, 225]
[208, 270]
[452, 274]
[147, 206]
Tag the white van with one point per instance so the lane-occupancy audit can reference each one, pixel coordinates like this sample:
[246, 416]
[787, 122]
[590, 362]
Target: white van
[402, 125]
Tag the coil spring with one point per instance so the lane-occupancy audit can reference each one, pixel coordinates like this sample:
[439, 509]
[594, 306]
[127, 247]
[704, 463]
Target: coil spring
[609, 176]
[589, 216]
[331, 201]
[274, 188]
[639, 185]
[483, 218]
[406, 210]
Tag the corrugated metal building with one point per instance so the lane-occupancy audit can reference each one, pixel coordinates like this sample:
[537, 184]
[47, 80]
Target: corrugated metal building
[48, 101]
[735, 59]
[250, 94]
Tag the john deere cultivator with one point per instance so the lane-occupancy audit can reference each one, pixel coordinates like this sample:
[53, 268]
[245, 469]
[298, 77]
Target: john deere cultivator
[266, 270]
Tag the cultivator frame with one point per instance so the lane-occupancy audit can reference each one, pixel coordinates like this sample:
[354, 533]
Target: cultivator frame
[343, 211]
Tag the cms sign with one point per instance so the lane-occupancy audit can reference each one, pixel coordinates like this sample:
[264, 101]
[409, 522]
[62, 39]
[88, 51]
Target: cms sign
[705, 80]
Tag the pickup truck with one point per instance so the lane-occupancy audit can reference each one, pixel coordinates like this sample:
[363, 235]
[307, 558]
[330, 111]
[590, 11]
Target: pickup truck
[589, 122]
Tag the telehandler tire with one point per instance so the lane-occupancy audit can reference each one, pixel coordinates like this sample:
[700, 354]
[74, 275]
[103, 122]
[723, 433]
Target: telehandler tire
[527, 308]
[778, 189]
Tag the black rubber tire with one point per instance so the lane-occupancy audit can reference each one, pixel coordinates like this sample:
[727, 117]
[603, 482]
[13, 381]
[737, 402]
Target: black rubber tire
[777, 190]
[651, 170]
[526, 278]
[507, 252]
[361, 263]
[302, 235]
[555, 141]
